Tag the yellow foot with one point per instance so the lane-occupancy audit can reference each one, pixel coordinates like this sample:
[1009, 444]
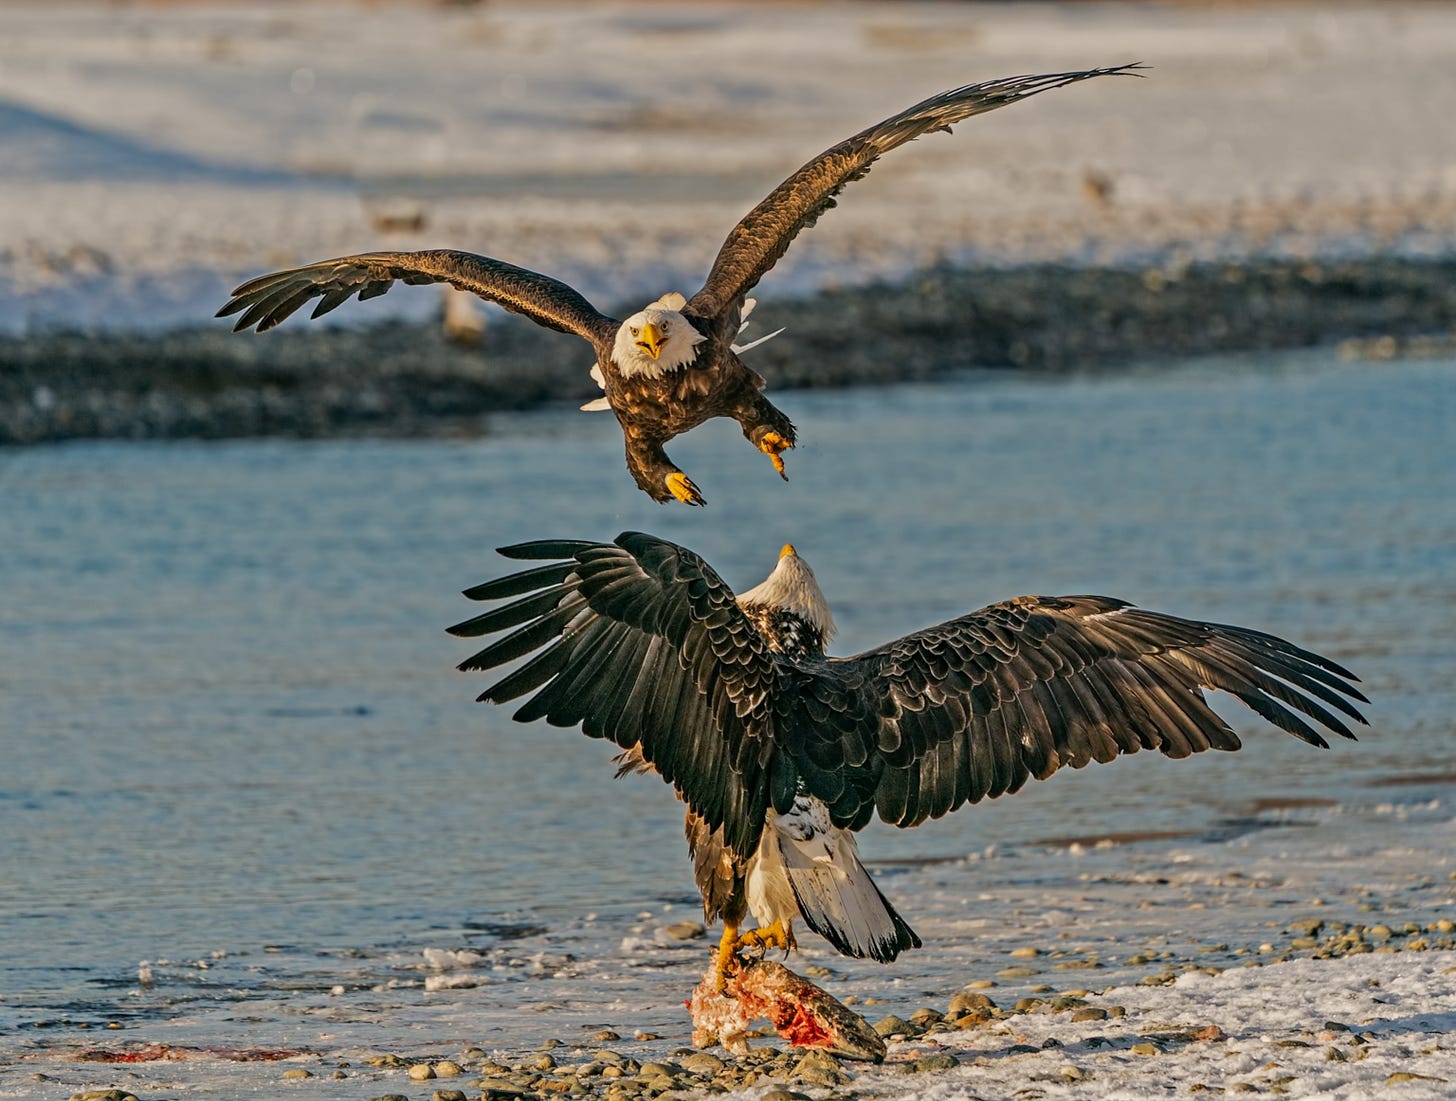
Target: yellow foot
[723, 960]
[683, 489]
[777, 935]
[771, 444]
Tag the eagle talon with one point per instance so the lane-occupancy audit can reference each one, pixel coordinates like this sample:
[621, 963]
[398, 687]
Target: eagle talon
[771, 444]
[777, 935]
[682, 488]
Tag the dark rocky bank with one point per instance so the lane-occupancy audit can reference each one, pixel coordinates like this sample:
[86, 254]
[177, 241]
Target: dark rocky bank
[411, 380]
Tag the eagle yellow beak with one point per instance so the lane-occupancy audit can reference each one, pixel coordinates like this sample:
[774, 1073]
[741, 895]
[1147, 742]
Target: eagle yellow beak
[650, 340]
[788, 551]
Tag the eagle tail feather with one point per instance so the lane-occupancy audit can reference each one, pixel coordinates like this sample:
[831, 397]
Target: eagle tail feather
[837, 898]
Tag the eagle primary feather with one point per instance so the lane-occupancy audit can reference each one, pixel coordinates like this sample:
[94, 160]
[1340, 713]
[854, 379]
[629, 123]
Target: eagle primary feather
[733, 701]
[673, 364]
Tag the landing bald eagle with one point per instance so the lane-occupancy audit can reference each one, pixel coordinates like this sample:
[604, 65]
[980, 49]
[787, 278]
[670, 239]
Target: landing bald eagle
[673, 364]
[780, 752]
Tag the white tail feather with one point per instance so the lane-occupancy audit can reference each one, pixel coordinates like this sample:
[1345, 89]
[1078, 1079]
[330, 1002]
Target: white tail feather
[819, 864]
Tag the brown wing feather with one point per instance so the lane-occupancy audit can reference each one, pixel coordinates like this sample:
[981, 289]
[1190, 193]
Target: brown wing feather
[975, 707]
[765, 233]
[269, 299]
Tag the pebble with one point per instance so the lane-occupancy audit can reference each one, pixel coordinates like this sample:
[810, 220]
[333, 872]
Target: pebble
[447, 1068]
[297, 1072]
[1026, 953]
[605, 1036]
[448, 1095]
[1015, 972]
[421, 1072]
[104, 1095]
[778, 1093]
[685, 930]
[1146, 1048]
[1089, 1013]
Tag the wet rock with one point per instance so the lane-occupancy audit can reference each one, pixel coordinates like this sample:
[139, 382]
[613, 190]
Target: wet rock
[384, 1061]
[500, 1088]
[778, 1093]
[1026, 953]
[929, 1063]
[1407, 1076]
[448, 1095]
[297, 1072]
[1146, 1048]
[894, 1026]
[605, 1036]
[684, 930]
[1089, 1013]
[421, 1072]
[969, 1002]
[1015, 972]
[703, 1063]
[819, 1068]
[104, 1095]
[448, 1068]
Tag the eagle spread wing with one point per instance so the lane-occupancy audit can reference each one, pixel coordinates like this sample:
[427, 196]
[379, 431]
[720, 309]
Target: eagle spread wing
[974, 707]
[270, 299]
[765, 233]
[645, 645]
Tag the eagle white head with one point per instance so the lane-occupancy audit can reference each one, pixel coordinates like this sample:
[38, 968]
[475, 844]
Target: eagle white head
[793, 588]
[656, 339]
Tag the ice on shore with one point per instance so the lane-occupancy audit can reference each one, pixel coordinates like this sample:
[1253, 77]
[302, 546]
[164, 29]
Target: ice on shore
[155, 155]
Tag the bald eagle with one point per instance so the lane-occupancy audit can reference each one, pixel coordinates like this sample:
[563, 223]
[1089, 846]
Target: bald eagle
[673, 364]
[780, 752]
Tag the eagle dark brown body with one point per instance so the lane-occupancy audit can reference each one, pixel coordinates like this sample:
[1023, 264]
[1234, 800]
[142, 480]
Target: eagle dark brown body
[653, 411]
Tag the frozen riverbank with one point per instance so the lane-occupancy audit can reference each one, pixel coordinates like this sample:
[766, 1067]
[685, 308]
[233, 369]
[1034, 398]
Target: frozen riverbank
[409, 379]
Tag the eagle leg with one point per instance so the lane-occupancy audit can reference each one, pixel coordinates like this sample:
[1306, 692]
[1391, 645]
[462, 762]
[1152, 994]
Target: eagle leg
[682, 488]
[777, 935]
[771, 443]
[725, 958]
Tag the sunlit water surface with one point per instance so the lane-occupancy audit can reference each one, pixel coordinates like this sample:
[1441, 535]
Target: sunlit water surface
[235, 746]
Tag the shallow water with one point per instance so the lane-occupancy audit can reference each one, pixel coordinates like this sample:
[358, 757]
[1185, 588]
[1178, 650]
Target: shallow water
[235, 745]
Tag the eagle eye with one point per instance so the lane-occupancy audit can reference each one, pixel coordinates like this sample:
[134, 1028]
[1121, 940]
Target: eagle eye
[635, 330]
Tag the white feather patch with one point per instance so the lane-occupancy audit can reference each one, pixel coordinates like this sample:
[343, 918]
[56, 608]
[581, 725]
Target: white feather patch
[805, 866]
[679, 347]
[793, 587]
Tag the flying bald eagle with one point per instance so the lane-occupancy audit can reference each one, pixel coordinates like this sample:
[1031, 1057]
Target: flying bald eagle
[780, 752]
[673, 364]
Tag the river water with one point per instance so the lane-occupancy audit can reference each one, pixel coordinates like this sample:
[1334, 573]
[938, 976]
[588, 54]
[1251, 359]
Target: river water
[234, 744]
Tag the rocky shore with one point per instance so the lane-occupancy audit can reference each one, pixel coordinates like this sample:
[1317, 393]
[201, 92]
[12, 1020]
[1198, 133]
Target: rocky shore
[1073, 1037]
[411, 379]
